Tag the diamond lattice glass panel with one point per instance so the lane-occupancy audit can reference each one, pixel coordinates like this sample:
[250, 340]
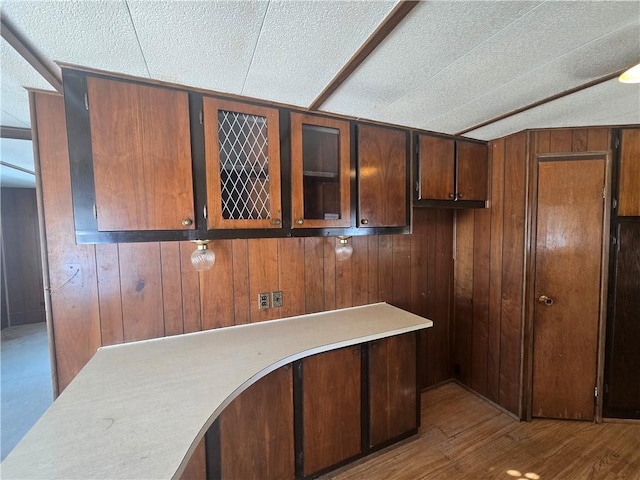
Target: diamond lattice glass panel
[244, 166]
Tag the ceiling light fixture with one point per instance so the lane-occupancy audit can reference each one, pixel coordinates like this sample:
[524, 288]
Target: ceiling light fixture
[631, 76]
[343, 249]
[202, 257]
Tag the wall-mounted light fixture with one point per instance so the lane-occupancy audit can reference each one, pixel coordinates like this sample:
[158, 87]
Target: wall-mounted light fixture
[202, 257]
[343, 249]
[631, 76]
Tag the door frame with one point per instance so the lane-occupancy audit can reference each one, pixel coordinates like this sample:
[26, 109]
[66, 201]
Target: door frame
[529, 299]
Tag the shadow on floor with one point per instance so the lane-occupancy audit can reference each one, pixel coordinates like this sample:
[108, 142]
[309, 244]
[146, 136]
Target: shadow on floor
[26, 389]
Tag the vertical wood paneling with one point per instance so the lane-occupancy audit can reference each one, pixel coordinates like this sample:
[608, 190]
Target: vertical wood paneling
[190, 290]
[495, 267]
[314, 274]
[401, 271]
[463, 294]
[216, 288]
[109, 294]
[140, 274]
[598, 139]
[344, 282]
[373, 267]
[440, 336]
[291, 276]
[329, 267]
[481, 259]
[263, 275]
[580, 140]
[560, 140]
[196, 468]
[171, 288]
[360, 270]
[241, 300]
[543, 144]
[513, 267]
[385, 268]
[74, 301]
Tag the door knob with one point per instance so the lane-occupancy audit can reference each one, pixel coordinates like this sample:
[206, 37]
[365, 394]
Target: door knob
[546, 300]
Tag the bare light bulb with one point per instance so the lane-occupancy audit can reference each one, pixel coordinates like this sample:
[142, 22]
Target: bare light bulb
[343, 249]
[632, 75]
[202, 258]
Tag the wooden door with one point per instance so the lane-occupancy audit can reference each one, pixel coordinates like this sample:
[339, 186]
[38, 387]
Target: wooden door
[320, 172]
[392, 388]
[331, 408]
[437, 157]
[141, 145]
[242, 152]
[629, 195]
[256, 430]
[472, 164]
[382, 177]
[567, 286]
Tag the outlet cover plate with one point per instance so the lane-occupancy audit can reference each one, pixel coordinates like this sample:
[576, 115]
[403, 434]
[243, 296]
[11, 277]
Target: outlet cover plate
[263, 301]
[276, 299]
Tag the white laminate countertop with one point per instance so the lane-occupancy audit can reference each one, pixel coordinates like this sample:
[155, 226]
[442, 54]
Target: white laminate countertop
[138, 410]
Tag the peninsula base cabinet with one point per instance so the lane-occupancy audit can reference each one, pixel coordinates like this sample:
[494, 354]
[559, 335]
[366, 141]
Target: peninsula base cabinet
[319, 413]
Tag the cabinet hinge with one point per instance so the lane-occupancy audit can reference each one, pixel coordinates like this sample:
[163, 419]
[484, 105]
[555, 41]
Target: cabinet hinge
[204, 212]
[617, 142]
[201, 116]
[604, 192]
[595, 392]
[614, 204]
[95, 211]
[86, 100]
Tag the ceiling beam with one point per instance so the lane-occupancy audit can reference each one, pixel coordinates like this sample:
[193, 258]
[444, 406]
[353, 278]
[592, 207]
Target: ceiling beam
[392, 20]
[579, 88]
[17, 133]
[49, 71]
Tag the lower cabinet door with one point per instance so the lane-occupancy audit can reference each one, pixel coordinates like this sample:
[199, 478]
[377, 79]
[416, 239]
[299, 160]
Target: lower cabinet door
[331, 397]
[256, 431]
[392, 388]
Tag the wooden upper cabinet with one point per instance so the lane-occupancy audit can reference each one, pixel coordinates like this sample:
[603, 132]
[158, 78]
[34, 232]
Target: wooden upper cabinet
[473, 171]
[453, 170]
[629, 191]
[141, 148]
[320, 172]
[242, 152]
[437, 156]
[393, 392]
[331, 391]
[382, 177]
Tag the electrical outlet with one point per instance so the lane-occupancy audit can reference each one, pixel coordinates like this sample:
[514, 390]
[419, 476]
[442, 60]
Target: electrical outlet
[276, 299]
[263, 301]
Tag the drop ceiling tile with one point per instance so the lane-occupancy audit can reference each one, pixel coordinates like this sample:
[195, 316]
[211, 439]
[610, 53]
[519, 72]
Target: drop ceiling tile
[199, 43]
[610, 103]
[544, 34]
[432, 37]
[303, 45]
[589, 62]
[16, 74]
[95, 33]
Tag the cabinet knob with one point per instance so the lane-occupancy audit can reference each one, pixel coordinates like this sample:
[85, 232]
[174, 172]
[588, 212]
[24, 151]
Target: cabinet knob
[451, 195]
[300, 221]
[364, 221]
[460, 195]
[276, 221]
[186, 222]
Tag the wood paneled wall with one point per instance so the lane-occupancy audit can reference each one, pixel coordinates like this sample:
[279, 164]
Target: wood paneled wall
[490, 265]
[107, 294]
[22, 262]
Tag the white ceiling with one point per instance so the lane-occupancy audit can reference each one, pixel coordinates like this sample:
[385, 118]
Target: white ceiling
[18, 153]
[450, 65]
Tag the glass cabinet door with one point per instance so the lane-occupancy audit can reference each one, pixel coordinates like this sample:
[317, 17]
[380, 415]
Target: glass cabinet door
[320, 170]
[242, 151]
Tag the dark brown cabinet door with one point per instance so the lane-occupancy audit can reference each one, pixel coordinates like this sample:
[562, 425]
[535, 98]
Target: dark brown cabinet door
[331, 408]
[629, 195]
[256, 430]
[141, 147]
[382, 177]
[242, 152]
[473, 171]
[392, 388]
[437, 155]
[320, 172]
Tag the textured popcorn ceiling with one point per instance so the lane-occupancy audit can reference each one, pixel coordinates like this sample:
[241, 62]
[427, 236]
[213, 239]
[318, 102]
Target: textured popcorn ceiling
[449, 66]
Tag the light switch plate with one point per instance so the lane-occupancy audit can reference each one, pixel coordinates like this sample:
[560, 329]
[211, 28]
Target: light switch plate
[276, 299]
[263, 301]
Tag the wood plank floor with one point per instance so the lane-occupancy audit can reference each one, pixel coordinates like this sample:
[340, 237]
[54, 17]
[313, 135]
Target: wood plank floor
[464, 437]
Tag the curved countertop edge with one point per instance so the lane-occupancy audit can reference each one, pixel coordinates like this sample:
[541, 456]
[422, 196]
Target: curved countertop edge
[365, 324]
